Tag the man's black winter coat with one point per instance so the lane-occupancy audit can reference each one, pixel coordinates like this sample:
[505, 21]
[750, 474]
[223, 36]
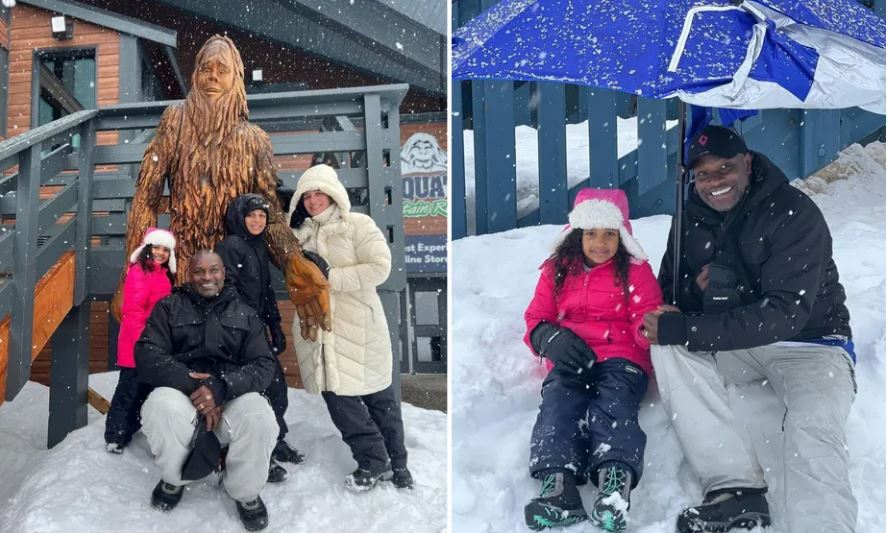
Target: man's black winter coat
[772, 276]
[221, 336]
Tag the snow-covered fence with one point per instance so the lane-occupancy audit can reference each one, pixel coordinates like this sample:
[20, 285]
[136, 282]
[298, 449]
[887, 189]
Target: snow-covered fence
[70, 195]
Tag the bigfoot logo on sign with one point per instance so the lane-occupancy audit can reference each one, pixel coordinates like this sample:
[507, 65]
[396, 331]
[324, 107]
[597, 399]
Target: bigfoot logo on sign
[424, 179]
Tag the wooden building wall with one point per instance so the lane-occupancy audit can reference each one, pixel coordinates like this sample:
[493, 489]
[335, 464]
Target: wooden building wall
[29, 31]
[4, 34]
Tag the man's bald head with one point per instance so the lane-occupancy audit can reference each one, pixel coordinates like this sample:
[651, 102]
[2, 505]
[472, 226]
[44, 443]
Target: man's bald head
[206, 273]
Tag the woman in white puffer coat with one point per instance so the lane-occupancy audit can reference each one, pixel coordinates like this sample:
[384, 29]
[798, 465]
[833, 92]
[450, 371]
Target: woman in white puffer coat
[351, 365]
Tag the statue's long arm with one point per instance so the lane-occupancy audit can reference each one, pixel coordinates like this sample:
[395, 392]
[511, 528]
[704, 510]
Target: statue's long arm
[149, 187]
[307, 287]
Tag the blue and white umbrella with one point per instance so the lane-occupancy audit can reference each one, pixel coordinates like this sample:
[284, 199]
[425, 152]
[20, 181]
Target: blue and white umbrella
[746, 54]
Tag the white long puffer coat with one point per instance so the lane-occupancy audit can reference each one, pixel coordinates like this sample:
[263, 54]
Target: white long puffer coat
[355, 358]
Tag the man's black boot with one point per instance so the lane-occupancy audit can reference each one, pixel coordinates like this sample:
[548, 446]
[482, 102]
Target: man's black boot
[612, 503]
[253, 514]
[166, 496]
[726, 509]
[559, 503]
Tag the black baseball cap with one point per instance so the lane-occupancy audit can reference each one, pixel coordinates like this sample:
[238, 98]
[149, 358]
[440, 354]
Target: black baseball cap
[718, 141]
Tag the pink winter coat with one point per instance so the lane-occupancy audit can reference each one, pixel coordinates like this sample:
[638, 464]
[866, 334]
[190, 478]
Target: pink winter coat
[592, 305]
[141, 291]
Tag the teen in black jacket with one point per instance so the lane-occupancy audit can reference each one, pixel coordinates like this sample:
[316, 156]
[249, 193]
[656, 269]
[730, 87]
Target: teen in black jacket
[245, 255]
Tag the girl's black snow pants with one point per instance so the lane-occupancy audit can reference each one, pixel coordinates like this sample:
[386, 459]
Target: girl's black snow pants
[123, 417]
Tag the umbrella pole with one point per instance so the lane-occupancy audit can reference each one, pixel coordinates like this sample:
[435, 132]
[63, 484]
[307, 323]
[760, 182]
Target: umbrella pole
[679, 204]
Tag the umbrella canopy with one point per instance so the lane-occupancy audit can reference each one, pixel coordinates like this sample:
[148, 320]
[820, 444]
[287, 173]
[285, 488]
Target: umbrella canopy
[716, 53]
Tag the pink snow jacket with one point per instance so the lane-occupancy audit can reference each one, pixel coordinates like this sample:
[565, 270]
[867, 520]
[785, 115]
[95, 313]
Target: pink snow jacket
[592, 305]
[141, 291]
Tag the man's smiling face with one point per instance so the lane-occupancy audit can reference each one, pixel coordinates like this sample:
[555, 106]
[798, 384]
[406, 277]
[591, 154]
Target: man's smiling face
[721, 182]
[207, 274]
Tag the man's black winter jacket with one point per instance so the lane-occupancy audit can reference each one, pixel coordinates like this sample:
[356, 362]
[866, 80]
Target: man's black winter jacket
[221, 336]
[775, 279]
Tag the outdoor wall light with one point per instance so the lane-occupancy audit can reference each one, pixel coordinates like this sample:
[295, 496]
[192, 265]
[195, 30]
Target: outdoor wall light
[62, 28]
[257, 74]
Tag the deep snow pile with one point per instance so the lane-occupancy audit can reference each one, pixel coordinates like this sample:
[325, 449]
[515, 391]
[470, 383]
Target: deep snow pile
[496, 381]
[78, 487]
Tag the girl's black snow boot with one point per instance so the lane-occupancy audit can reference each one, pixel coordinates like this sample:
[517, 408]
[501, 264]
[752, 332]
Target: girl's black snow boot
[612, 503]
[559, 503]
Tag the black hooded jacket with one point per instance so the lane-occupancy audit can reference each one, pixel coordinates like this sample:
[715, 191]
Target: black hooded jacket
[772, 276]
[221, 336]
[246, 259]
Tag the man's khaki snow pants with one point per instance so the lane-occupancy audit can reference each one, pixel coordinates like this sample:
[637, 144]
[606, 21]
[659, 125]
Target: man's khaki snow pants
[248, 426]
[816, 385]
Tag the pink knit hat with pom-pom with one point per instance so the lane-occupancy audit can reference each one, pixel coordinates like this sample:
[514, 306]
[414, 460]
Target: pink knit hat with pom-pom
[157, 237]
[605, 208]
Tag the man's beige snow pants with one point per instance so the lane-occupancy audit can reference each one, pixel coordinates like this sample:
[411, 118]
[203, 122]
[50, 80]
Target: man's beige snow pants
[248, 426]
[816, 385]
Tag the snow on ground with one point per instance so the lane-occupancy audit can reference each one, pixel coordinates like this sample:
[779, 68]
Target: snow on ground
[527, 160]
[496, 381]
[78, 487]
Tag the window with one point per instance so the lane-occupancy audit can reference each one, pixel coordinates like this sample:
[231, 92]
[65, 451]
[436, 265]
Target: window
[67, 83]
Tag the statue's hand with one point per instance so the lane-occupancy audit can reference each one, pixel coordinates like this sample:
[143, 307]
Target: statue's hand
[117, 302]
[309, 290]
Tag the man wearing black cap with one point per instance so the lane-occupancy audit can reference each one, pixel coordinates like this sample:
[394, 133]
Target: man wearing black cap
[759, 300]
[205, 351]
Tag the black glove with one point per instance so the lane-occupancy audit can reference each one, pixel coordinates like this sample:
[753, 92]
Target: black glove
[319, 261]
[563, 347]
[278, 339]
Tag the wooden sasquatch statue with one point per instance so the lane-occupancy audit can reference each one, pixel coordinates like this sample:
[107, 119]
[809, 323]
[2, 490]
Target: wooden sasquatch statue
[211, 154]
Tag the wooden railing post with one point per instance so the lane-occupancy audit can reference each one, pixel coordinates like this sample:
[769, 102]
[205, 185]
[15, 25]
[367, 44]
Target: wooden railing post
[69, 375]
[493, 122]
[652, 149]
[602, 111]
[24, 271]
[458, 165]
[86, 157]
[552, 151]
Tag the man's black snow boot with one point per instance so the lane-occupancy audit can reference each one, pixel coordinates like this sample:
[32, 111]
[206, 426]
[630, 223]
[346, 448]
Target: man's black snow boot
[253, 514]
[724, 510]
[285, 453]
[166, 496]
[401, 478]
[559, 503]
[276, 473]
[362, 480]
[612, 503]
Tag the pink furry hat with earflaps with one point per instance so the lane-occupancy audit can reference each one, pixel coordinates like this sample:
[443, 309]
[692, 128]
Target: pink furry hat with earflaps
[604, 208]
[157, 237]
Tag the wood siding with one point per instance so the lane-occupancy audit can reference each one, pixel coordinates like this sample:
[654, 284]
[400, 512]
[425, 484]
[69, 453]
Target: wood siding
[53, 298]
[4, 34]
[30, 31]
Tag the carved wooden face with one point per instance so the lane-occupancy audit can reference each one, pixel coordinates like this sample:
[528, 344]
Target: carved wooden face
[215, 73]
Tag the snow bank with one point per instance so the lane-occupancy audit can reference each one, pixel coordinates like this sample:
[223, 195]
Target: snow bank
[78, 487]
[496, 381]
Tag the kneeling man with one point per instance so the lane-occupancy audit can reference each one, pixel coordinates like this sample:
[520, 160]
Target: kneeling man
[759, 300]
[206, 353]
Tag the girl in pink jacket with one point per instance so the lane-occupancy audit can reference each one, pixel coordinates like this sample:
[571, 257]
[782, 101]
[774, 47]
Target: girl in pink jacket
[148, 280]
[585, 319]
